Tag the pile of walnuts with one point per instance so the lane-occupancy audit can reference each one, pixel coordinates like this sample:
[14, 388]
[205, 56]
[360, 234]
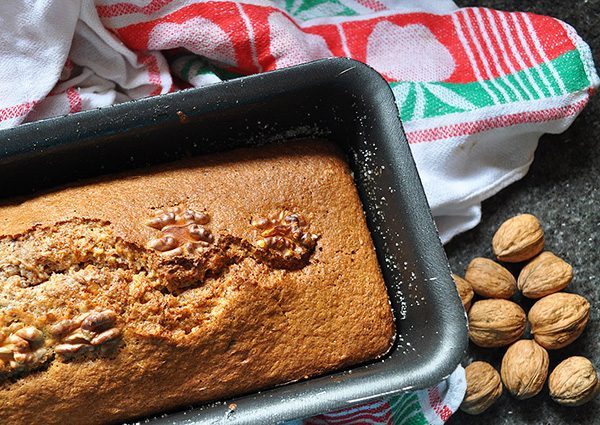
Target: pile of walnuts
[555, 320]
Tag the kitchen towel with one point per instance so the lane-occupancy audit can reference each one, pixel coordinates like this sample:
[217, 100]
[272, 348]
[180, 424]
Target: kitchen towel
[475, 88]
[425, 407]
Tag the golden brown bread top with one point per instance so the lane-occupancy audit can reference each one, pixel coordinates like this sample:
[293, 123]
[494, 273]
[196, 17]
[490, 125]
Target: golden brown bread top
[139, 310]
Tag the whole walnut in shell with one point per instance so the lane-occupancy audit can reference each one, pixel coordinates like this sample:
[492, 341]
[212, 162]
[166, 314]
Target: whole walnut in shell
[489, 279]
[524, 368]
[574, 382]
[483, 388]
[558, 319]
[465, 291]
[518, 239]
[544, 275]
[495, 323]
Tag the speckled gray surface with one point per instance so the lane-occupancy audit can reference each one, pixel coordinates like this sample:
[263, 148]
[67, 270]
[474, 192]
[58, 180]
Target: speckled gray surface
[563, 189]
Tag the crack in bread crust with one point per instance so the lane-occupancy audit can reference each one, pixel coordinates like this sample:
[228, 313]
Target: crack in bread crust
[53, 274]
[34, 256]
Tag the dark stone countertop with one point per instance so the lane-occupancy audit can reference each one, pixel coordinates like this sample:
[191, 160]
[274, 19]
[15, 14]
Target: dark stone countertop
[562, 188]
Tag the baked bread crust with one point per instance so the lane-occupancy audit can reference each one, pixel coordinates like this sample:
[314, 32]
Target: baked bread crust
[104, 318]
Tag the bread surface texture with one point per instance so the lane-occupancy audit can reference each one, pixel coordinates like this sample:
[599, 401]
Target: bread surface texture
[197, 281]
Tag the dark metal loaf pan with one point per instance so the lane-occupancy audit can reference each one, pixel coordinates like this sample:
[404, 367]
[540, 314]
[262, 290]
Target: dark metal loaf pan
[338, 99]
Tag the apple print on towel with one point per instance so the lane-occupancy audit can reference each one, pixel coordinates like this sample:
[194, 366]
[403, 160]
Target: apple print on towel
[408, 53]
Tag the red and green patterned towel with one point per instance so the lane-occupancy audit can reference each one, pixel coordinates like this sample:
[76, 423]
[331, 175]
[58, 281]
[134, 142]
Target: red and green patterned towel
[475, 87]
[431, 406]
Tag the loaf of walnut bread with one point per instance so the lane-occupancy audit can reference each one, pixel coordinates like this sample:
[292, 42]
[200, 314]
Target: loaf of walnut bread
[193, 282]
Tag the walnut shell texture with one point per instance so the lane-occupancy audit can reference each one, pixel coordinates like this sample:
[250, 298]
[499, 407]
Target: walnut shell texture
[489, 279]
[518, 239]
[524, 368]
[495, 323]
[574, 382]
[483, 388]
[558, 319]
[465, 291]
[544, 275]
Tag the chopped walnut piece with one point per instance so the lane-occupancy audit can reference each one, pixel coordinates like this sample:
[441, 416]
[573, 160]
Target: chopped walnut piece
[23, 349]
[181, 231]
[284, 232]
[87, 332]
